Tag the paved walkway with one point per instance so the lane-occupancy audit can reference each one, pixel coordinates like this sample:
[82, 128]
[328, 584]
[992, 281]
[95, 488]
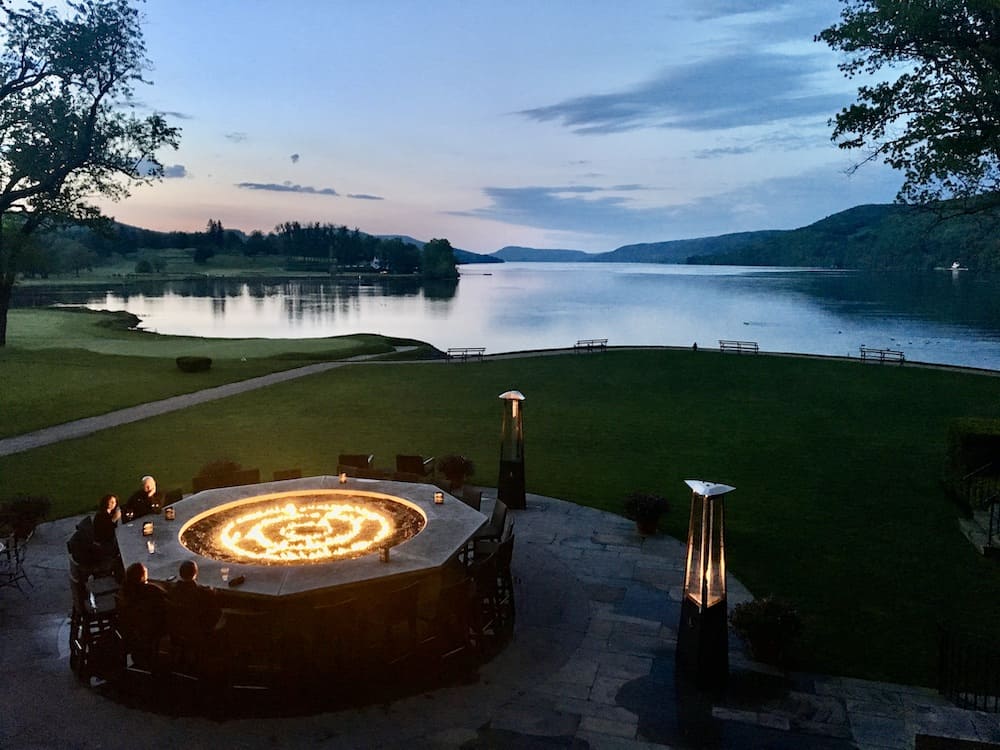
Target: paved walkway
[590, 666]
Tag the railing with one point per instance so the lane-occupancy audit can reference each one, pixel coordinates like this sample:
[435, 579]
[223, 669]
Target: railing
[977, 488]
[993, 532]
[969, 669]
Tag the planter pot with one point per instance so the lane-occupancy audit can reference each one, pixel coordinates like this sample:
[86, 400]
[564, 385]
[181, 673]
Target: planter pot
[646, 527]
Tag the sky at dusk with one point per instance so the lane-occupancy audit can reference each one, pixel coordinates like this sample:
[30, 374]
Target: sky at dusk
[583, 124]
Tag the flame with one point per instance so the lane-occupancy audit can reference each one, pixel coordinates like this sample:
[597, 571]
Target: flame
[313, 531]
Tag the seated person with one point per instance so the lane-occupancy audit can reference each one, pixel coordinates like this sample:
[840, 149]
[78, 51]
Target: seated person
[105, 541]
[200, 600]
[144, 500]
[141, 606]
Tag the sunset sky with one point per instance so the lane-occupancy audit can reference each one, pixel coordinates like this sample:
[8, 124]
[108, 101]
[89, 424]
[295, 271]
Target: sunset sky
[580, 124]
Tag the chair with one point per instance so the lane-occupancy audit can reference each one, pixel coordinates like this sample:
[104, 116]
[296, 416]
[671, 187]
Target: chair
[493, 529]
[356, 464]
[12, 563]
[413, 468]
[173, 496]
[472, 498]
[282, 474]
[95, 648]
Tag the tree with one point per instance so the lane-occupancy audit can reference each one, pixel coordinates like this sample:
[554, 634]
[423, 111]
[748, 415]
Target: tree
[939, 121]
[438, 260]
[65, 131]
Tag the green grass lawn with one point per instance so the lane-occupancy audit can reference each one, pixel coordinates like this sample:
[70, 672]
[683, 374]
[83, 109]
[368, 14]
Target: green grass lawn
[65, 364]
[837, 466]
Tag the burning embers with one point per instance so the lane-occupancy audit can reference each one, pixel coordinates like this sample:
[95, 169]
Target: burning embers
[294, 529]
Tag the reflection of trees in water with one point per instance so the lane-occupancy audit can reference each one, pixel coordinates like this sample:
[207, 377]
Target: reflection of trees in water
[961, 298]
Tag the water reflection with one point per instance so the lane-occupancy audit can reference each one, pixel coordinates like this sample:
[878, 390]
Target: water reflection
[933, 317]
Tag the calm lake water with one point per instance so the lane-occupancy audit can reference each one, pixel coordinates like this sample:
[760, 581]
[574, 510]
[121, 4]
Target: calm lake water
[933, 317]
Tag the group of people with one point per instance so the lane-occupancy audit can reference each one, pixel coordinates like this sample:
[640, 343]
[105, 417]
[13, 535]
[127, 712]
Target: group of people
[143, 606]
[144, 501]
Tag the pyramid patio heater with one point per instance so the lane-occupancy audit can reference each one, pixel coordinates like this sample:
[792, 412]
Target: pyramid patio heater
[510, 484]
[703, 632]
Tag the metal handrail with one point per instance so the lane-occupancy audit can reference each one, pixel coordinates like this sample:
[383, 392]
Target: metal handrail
[994, 530]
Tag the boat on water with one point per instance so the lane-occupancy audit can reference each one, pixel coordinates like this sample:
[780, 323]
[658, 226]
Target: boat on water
[954, 267]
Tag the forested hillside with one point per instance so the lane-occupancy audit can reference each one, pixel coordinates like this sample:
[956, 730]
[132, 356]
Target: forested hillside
[874, 237]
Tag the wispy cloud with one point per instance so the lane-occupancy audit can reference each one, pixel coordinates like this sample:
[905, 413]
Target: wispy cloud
[286, 187]
[235, 136]
[778, 203]
[734, 90]
[294, 158]
[365, 197]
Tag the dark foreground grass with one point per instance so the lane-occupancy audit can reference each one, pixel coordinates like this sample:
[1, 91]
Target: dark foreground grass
[837, 466]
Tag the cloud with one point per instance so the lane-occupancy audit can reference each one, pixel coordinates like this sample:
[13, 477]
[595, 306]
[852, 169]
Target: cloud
[294, 158]
[778, 203]
[576, 208]
[286, 187]
[175, 171]
[148, 167]
[733, 90]
[365, 197]
[235, 136]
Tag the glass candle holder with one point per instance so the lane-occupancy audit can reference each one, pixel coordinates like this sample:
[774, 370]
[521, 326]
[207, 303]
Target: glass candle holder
[383, 554]
[438, 498]
[343, 477]
[147, 528]
[169, 513]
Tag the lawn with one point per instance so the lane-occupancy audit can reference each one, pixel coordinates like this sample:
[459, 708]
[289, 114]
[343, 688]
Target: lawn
[837, 467]
[65, 364]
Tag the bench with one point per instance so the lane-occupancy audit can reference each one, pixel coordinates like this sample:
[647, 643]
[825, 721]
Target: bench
[882, 355]
[591, 344]
[738, 346]
[463, 353]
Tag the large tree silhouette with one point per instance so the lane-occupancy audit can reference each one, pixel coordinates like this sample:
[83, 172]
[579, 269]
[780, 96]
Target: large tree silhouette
[67, 129]
[938, 120]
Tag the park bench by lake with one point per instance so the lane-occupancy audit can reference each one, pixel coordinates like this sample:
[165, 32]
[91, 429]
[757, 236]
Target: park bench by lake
[882, 355]
[591, 344]
[462, 353]
[726, 345]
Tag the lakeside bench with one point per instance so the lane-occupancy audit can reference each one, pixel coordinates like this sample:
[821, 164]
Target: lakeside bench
[739, 347]
[882, 355]
[591, 344]
[463, 353]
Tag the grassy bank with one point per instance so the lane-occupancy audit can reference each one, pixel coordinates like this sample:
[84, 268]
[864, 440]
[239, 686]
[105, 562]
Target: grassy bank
[65, 364]
[836, 464]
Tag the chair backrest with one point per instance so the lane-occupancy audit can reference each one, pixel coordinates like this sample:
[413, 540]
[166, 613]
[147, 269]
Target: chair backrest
[472, 498]
[173, 496]
[356, 460]
[414, 464]
[498, 517]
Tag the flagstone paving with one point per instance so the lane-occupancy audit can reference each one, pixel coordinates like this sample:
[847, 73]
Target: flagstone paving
[591, 665]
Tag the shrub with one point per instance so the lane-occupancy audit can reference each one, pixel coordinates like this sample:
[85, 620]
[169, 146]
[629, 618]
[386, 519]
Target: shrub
[218, 468]
[769, 626]
[645, 508]
[456, 468]
[20, 514]
[194, 364]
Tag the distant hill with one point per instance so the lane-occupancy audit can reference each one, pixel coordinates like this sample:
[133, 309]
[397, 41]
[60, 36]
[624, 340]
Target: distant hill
[515, 254]
[874, 237]
[680, 251]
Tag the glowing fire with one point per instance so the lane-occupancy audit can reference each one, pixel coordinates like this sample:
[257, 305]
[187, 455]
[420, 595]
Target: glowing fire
[313, 531]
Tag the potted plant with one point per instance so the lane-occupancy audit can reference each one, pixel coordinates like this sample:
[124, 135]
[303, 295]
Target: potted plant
[645, 508]
[769, 626]
[456, 468]
[20, 514]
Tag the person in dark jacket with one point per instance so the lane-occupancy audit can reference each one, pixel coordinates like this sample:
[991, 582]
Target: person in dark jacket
[144, 500]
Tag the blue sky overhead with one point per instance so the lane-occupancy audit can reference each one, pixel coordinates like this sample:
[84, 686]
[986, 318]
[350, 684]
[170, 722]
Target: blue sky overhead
[582, 124]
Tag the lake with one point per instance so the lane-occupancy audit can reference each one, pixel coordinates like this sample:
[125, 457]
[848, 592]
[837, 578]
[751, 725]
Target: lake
[940, 317]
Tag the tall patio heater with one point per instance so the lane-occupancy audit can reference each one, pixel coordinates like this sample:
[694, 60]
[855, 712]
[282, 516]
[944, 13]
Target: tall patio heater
[510, 484]
[703, 632]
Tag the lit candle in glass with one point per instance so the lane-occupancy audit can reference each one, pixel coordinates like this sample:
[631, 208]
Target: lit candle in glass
[343, 477]
[438, 498]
